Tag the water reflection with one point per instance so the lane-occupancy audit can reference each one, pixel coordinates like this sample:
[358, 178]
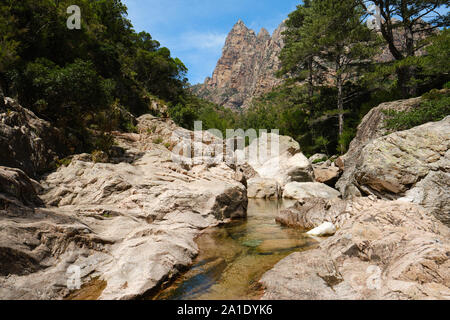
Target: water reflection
[234, 257]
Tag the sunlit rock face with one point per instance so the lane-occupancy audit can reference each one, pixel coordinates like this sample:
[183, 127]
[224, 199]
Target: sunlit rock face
[249, 62]
[411, 164]
[246, 69]
[381, 250]
[120, 226]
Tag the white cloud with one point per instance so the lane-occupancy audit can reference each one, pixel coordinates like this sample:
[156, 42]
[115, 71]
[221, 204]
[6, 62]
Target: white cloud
[195, 30]
[200, 51]
[202, 40]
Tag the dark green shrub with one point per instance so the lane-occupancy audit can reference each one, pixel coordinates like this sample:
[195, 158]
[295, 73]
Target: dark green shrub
[435, 106]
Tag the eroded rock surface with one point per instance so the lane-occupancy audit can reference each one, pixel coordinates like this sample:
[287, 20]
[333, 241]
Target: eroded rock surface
[371, 127]
[128, 225]
[386, 250]
[415, 163]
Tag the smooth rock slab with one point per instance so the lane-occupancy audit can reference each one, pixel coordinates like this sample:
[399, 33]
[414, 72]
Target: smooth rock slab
[260, 188]
[130, 224]
[303, 190]
[388, 250]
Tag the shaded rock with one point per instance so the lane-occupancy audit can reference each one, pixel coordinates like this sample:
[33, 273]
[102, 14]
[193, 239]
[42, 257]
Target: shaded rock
[26, 141]
[298, 169]
[116, 152]
[302, 190]
[388, 250]
[327, 174]
[261, 188]
[370, 128]
[17, 188]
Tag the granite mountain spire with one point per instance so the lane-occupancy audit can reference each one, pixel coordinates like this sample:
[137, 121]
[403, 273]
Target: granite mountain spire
[246, 69]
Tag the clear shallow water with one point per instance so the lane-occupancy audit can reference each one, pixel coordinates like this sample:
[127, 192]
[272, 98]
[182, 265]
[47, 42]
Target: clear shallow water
[233, 257]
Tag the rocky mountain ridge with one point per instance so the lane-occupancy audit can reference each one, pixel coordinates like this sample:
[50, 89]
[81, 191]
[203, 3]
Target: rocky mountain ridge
[249, 62]
[246, 69]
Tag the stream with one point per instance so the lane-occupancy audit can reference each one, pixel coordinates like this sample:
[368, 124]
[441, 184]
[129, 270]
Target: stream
[233, 257]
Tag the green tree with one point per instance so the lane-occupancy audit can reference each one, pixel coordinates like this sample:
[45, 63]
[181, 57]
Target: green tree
[8, 45]
[334, 35]
[436, 62]
[76, 77]
[297, 56]
[406, 33]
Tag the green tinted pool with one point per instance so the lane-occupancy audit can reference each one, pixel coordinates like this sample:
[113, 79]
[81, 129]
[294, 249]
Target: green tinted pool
[233, 257]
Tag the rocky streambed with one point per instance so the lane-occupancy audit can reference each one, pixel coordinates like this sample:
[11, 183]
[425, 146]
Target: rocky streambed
[129, 225]
[233, 257]
[127, 222]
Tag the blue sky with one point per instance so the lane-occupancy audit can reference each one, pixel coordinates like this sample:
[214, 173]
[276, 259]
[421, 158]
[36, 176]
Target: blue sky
[195, 30]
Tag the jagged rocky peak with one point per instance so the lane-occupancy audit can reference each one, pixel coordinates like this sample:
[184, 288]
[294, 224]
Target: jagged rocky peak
[246, 69]
[240, 24]
[264, 34]
[240, 29]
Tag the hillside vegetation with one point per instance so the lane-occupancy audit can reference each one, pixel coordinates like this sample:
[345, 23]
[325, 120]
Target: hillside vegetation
[335, 69]
[86, 82]
[90, 81]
